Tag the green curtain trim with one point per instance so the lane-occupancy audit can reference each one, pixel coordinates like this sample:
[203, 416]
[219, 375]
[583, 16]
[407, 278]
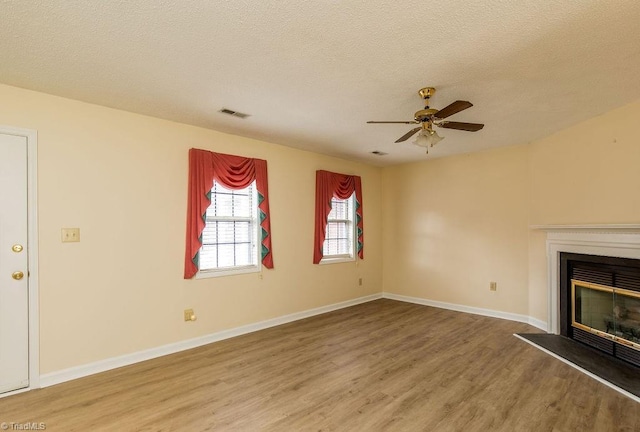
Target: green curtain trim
[265, 250]
[358, 222]
[264, 232]
[204, 215]
[196, 259]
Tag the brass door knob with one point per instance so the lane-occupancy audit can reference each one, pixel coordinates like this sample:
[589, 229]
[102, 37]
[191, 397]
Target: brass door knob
[17, 275]
[16, 248]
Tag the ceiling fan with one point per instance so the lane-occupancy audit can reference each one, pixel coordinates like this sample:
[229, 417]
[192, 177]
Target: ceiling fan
[428, 117]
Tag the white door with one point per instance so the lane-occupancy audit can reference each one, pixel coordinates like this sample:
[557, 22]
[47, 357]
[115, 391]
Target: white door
[14, 272]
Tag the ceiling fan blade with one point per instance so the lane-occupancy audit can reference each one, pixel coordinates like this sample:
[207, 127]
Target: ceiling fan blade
[453, 108]
[403, 122]
[471, 127]
[408, 134]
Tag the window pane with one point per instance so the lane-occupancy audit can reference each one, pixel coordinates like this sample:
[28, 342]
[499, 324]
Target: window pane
[243, 254]
[331, 230]
[242, 205]
[242, 232]
[339, 232]
[227, 202]
[222, 204]
[226, 232]
[209, 236]
[226, 256]
[208, 257]
[337, 246]
[331, 247]
[229, 235]
[339, 209]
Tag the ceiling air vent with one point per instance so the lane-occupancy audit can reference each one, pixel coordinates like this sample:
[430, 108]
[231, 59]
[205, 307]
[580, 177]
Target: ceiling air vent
[234, 113]
[379, 153]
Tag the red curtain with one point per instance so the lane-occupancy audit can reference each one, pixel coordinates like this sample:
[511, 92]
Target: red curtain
[328, 185]
[233, 172]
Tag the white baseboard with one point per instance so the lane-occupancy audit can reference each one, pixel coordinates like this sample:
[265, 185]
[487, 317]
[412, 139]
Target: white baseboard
[469, 309]
[542, 325]
[75, 372]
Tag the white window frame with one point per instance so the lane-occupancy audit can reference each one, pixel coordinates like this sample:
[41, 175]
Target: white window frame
[352, 255]
[235, 270]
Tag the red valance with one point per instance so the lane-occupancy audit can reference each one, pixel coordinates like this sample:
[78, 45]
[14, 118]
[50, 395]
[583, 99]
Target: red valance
[233, 172]
[328, 185]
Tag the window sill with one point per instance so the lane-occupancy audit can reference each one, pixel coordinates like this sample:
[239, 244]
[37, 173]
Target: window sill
[337, 259]
[205, 274]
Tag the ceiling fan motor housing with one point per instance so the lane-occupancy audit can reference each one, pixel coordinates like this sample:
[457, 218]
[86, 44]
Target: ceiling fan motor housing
[424, 115]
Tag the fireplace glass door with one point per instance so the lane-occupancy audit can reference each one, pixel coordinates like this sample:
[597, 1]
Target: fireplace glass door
[608, 312]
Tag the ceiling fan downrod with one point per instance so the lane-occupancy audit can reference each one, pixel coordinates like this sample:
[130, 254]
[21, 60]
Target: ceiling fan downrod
[426, 113]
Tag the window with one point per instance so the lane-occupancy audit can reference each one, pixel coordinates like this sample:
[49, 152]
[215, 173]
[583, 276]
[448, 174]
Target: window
[338, 228]
[226, 252]
[338, 243]
[230, 236]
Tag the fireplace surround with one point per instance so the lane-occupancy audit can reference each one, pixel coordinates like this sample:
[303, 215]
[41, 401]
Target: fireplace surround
[612, 249]
[622, 241]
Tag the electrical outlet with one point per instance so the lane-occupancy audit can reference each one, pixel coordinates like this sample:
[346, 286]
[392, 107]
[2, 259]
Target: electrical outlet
[493, 286]
[70, 235]
[189, 315]
[360, 281]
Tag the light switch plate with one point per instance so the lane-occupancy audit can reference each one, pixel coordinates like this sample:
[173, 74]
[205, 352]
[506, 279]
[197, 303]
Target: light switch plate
[70, 235]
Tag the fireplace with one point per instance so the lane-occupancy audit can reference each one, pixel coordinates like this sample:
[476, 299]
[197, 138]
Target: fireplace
[593, 286]
[600, 303]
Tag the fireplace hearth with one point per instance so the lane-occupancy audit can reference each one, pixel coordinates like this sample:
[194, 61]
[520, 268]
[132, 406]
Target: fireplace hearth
[600, 303]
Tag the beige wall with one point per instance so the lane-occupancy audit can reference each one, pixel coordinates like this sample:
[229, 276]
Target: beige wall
[452, 225]
[122, 178]
[587, 174]
[449, 226]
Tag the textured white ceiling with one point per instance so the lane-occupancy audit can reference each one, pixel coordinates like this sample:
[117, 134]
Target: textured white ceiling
[311, 73]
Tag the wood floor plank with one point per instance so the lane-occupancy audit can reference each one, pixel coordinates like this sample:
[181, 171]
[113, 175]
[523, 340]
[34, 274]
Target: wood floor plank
[379, 366]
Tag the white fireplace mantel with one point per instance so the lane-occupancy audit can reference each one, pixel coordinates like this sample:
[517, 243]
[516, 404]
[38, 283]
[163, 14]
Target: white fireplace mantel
[621, 241]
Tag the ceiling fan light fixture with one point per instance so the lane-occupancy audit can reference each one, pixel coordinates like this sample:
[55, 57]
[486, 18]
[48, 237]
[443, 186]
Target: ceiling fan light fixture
[427, 138]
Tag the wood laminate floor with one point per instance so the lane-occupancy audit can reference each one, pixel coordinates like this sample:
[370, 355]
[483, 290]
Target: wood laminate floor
[379, 366]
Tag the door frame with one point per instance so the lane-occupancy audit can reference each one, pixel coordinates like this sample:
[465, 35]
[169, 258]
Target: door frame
[32, 245]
